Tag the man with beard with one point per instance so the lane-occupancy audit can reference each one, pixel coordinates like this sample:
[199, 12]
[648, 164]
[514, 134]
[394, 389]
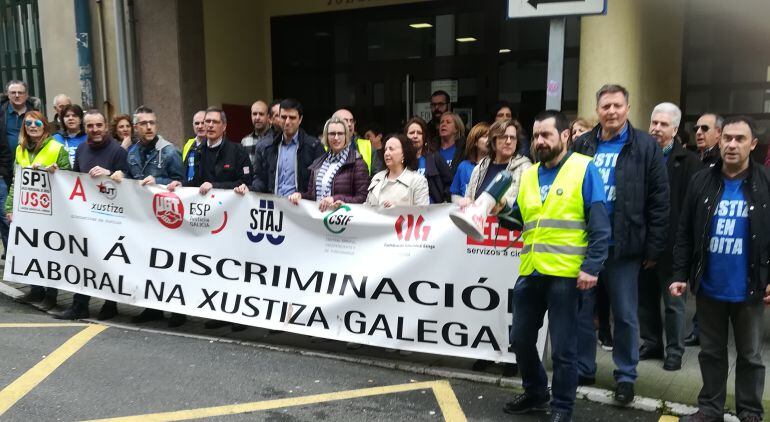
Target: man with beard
[561, 203]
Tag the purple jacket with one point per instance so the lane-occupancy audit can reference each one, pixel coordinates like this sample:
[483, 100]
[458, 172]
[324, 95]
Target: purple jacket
[349, 184]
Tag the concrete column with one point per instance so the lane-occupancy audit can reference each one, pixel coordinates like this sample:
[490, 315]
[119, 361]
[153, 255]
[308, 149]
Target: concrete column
[171, 63]
[57, 40]
[637, 45]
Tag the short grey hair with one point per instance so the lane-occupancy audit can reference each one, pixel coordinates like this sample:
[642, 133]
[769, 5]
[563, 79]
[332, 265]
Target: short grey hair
[16, 82]
[719, 121]
[62, 96]
[671, 109]
[142, 109]
[214, 109]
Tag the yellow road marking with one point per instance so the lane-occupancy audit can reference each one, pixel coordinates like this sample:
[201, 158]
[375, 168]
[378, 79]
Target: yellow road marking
[44, 325]
[668, 418]
[25, 383]
[446, 398]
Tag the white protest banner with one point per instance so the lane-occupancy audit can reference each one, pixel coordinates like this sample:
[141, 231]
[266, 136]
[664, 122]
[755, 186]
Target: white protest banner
[403, 278]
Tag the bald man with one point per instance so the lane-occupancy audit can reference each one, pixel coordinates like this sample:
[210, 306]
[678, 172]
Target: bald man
[263, 133]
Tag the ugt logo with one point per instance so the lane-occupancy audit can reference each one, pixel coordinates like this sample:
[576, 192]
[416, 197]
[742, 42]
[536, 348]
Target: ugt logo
[265, 222]
[408, 228]
[108, 189]
[337, 220]
[168, 209]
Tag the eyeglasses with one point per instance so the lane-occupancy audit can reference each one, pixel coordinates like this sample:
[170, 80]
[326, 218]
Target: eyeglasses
[336, 134]
[704, 128]
[147, 123]
[37, 122]
[506, 137]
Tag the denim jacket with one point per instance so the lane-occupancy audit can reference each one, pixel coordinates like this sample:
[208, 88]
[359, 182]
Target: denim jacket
[164, 163]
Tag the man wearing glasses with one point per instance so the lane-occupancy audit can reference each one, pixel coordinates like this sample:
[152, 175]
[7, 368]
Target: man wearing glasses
[13, 106]
[440, 103]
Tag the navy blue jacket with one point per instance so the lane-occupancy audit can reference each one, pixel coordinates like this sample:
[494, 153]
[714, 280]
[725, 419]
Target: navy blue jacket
[641, 194]
[439, 178]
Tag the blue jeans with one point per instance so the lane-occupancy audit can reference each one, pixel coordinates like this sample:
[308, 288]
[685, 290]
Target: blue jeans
[620, 277]
[4, 227]
[532, 296]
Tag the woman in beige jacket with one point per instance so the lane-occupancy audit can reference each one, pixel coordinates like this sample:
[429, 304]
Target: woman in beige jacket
[399, 184]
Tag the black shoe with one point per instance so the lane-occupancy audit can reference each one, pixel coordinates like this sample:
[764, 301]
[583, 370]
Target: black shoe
[238, 327]
[30, 297]
[560, 417]
[213, 324]
[481, 364]
[624, 392]
[751, 418]
[524, 403]
[648, 352]
[177, 320]
[586, 380]
[510, 369]
[108, 311]
[147, 315]
[47, 304]
[692, 340]
[699, 417]
[672, 363]
[73, 312]
[604, 337]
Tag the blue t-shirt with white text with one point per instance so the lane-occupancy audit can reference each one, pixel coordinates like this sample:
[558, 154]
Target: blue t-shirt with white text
[726, 274]
[448, 154]
[606, 158]
[421, 165]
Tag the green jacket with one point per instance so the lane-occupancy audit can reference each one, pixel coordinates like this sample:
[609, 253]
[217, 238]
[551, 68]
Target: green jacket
[63, 161]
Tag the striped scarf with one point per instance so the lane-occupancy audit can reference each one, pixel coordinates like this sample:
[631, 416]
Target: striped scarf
[329, 168]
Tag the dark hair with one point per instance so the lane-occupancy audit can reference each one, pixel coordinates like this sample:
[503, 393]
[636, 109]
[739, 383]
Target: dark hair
[374, 127]
[275, 102]
[561, 121]
[426, 145]
[292, 104]
[743, 119]
[498, 129]
[215, 109]
[611, 89]
[410, 154]
[75, 109]
[500, 105]
[95, 112]
[478, 131]
[444, 93]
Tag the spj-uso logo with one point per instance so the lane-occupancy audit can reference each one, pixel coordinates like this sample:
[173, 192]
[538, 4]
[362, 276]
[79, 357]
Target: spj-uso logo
[35, 192]
[266, 223]
[337, 220]
[409, 227]
[168, 209]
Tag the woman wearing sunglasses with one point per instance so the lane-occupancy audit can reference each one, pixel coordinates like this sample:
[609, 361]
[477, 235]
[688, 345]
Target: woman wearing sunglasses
[37, 149]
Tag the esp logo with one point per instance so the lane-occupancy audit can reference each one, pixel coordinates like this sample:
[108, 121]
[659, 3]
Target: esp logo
[168, 209]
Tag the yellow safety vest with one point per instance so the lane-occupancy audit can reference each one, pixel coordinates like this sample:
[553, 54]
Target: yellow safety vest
[555, 233]
[47, 155]
[365, 149]
[186, 149]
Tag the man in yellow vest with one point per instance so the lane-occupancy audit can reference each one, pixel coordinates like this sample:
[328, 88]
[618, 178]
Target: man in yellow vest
[190, 149]
[560, 209]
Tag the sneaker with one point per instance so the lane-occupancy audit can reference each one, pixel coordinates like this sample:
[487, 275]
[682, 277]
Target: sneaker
[560, 417]
[524, 403]
[624, 392]
[47, 304]
[605, 340]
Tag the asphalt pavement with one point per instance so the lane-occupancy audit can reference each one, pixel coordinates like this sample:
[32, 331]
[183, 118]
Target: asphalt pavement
[52, 371]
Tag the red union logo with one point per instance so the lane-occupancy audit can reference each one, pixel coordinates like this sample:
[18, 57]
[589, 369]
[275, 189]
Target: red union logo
[410, 228]
[497, 236]
[168, 209]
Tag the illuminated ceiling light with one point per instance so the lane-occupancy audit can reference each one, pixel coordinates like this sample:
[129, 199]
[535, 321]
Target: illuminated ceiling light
[504, 50]
[420, 25]
[467, 39]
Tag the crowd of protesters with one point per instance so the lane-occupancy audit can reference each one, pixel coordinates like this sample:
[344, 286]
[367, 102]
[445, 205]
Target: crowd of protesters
[644, 219]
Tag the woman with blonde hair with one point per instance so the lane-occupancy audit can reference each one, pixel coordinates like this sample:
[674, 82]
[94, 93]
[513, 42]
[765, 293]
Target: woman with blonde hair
[451, 131]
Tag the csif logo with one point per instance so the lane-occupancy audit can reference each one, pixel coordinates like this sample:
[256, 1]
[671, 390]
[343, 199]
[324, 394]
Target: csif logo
[410, 228]
[337, 221]
[266, 223]
[168, 209]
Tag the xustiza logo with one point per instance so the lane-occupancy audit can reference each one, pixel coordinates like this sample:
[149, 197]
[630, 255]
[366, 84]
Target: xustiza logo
[168, 209]
[337, 221]
[409, 227]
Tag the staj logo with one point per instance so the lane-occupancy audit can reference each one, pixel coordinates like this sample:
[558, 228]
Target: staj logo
[337, 221]
[410, 228]
[266, 223]
[168, 209]
[497, 236]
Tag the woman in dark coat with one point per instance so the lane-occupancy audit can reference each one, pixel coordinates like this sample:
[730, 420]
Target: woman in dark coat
[430, 164]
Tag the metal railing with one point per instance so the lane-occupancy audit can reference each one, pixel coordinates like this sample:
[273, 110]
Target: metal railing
[20, 54]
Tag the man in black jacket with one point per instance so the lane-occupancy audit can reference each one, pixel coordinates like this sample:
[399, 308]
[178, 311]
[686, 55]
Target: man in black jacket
[635, 181]
[681, 165]
[723, 251]
[282, 168]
